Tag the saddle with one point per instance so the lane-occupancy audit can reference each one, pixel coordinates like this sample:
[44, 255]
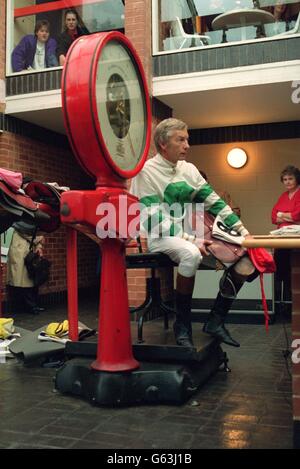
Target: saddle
[39, 203]
[14, 205]
[227, 253]
[43, 192]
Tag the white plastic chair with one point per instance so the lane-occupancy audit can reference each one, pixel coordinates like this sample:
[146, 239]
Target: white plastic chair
[295, 30]
[187, 38]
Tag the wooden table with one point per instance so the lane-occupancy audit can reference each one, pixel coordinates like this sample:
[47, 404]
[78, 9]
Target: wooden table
[293, 243]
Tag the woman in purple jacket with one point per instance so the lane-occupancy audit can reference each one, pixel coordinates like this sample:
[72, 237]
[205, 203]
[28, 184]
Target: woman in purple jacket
[36, 51]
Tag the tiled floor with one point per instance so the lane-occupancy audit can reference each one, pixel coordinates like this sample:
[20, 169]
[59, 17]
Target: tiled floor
[247, 408]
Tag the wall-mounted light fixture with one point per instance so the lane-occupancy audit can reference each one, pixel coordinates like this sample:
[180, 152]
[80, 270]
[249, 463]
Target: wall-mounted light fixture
[237, 158]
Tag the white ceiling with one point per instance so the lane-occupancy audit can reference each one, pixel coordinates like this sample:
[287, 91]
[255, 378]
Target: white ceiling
[235, 106]
[238, 96]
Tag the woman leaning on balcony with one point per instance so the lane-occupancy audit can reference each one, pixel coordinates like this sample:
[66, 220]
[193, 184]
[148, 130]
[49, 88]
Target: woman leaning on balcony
[71, 32]
[35, 51]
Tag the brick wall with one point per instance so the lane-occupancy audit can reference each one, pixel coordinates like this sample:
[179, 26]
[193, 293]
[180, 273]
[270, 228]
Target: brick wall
[51, 163]
[296, 335]
[138, 30]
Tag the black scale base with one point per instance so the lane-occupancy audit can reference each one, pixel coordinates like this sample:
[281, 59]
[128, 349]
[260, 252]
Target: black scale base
[167, 374]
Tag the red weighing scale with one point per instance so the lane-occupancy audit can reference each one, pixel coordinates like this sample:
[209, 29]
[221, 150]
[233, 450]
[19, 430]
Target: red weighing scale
[107, 116]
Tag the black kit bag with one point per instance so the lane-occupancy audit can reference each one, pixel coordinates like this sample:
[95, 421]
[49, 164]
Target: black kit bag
[38, 267]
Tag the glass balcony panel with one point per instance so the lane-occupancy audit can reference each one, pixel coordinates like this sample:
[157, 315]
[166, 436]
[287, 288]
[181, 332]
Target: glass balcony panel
[94, 16]
[222, 21]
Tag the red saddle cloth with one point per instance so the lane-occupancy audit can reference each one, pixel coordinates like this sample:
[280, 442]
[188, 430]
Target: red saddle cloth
[265, 264]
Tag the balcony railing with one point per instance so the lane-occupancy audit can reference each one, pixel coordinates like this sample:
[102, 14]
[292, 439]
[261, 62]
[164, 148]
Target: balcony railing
[235, 55]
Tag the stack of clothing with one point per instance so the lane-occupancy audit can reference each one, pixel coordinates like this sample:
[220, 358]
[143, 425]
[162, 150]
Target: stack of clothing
[289, 230]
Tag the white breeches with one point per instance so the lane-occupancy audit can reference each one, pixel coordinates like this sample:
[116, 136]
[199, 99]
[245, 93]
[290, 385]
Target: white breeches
[184, 253]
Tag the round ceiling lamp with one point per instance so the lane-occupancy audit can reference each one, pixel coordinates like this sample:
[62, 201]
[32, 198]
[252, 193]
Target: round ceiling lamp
[237, 158]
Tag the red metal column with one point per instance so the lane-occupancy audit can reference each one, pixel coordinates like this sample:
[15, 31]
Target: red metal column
[72, 282]
[114, 351]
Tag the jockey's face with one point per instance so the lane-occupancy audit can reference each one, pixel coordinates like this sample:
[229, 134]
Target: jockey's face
[177, 146]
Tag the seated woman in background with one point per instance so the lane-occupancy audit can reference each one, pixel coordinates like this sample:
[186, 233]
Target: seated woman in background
[35, 51]
[286, 212]
[71, 32]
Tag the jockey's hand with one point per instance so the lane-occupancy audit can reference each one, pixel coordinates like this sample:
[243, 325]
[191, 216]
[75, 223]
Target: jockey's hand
[202, 244]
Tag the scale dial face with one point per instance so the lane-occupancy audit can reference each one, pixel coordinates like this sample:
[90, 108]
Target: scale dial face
[106, 106]
[121, 106]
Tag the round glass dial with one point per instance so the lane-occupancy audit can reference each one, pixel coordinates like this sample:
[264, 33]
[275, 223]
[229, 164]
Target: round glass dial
[121, 105]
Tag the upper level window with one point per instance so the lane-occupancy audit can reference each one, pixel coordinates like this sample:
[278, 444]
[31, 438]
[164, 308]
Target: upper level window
[182, 24]
[40, 32]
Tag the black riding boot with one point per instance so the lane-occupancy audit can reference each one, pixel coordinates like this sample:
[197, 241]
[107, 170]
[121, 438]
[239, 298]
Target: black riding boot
[215, 324]
[182, 325]
[230, 285]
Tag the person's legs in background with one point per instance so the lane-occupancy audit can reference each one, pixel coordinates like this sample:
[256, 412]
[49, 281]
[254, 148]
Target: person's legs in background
[30, 298]
[15, 304]
[23, 300]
